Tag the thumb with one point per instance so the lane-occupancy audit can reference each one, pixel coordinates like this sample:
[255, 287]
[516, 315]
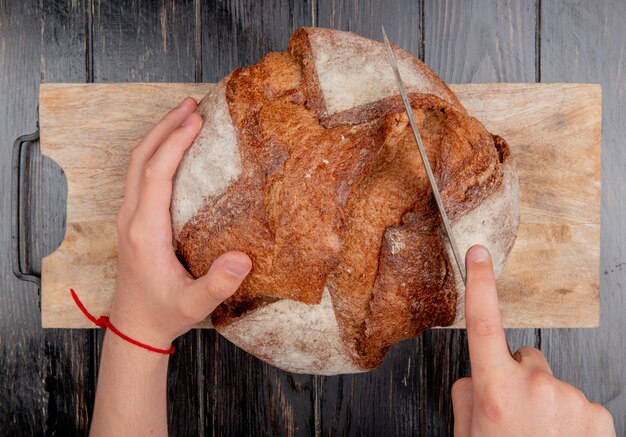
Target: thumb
[223, 278]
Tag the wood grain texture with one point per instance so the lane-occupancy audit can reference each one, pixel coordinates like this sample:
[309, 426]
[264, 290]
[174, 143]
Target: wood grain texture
[585, 42]
[479, 41]
[45, 374]
[237, 33]
[559, 199]
[387, 399]
[242, 395]
[39, 384]
[147, 41]
[402, 20]
[69, 355]
[143, 41]
[246, 396]
[438, 363]
[553, 131]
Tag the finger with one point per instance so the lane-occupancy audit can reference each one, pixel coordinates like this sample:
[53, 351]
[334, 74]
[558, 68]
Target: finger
[147, 146]
[532, 359]
[462, 404]
[601, 422]
[156, 187]
[223, 278]
[487, 344]
[155, 136]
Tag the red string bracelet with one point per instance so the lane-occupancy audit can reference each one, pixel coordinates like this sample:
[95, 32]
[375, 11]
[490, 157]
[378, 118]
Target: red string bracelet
[103, 322]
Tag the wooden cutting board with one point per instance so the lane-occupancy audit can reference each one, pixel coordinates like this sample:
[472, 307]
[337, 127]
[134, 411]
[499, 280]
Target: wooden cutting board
[551, 278]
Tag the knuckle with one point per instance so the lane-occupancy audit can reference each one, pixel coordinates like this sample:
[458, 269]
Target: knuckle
[485, 327]
[602, 414]
[528, 352]
[461, 386]
[543, 385]
[135, 234]
[493, 405]
[149, 172]
[483, 278]
[578, 398]
[597, 409]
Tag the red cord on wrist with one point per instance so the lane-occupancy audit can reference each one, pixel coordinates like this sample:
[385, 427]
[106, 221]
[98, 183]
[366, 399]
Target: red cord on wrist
[103, 322]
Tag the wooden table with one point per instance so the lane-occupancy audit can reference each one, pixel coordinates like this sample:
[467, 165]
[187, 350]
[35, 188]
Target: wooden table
[48, 377]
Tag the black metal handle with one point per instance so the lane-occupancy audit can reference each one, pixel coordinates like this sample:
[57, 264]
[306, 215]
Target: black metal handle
[20, 210]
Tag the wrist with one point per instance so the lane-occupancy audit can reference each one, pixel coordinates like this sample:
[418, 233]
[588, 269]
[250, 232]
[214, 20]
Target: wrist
[136, 328]
[132, 353]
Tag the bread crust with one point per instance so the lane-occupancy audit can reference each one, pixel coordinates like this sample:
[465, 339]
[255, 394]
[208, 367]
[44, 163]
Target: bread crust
[329, 198]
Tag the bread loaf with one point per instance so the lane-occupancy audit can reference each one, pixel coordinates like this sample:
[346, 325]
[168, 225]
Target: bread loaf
[307, 163]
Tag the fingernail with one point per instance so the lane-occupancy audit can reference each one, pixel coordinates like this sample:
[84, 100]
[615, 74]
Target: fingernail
[478, 253]
[238, 269]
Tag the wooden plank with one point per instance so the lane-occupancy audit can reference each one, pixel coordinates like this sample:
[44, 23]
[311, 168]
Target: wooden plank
[556, 211]
[105, 112]
[238, 33]
[69, 355]
[147, 41]
[389, 399]
[46, 374]
[479, 41]
[573, 197]
[24, 401]
[598, 369]
[458, 44]
[144, 41]
[587, 44]
[549, 128]
[402, 20]
[243, 395]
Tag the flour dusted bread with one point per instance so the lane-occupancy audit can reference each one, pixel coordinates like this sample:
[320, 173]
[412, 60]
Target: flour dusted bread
[307, 163]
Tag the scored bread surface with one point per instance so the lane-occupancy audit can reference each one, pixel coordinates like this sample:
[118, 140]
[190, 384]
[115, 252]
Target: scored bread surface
[306, 162]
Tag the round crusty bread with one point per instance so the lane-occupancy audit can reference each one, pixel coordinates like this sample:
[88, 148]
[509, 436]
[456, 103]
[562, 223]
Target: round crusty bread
[307, 163]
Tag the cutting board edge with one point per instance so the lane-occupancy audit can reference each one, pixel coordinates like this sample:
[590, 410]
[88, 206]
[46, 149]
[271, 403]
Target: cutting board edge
[594, 88]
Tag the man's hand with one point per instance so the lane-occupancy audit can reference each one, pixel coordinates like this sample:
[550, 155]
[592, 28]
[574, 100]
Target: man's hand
[513, 396]
[157, 299]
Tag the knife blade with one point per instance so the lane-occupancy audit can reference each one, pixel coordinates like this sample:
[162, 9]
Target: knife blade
[420, 145]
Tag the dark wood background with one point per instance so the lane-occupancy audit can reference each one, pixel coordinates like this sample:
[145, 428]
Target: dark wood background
[48, 377]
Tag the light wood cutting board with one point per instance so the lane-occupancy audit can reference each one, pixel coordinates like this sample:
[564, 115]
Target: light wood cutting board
[551, 278]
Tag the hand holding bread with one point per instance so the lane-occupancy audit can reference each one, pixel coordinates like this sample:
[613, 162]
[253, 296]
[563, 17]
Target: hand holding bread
[156, 299]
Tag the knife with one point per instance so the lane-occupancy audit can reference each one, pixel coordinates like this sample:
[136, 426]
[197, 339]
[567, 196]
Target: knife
[420, 145]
